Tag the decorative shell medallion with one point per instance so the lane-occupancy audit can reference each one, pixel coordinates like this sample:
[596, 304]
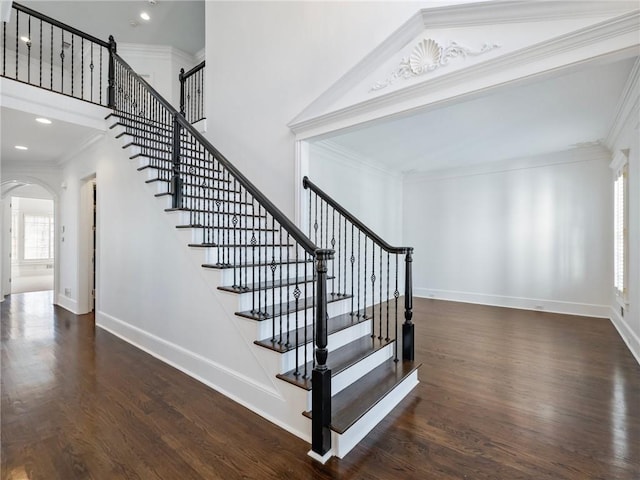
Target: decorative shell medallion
[425, 56]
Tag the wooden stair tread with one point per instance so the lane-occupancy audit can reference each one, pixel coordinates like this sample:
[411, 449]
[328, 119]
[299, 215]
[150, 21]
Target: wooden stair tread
[178, 209]
[252, 265]
[305, 334]
[277, 310]
[352, 403]
[268, 284]
[238, 245]
[338, 360]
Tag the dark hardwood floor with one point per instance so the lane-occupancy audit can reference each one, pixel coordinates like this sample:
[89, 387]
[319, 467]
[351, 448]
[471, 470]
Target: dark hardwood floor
[504, 394]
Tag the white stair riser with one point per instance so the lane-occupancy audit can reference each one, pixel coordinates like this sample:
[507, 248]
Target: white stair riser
[227, 255]
[248, 300]
[248, 274]
[265, 331]
[343, 444]
[345, 378]
[186, 218]
[240, 235]
[334, 341]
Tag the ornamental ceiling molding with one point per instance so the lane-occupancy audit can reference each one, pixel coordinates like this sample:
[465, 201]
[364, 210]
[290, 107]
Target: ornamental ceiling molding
[428, 56]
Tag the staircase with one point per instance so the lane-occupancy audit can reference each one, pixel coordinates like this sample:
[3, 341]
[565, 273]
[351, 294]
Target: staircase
[326, 303]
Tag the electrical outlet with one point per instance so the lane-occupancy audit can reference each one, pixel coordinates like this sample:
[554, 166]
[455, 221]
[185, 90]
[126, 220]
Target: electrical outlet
[67, 292]
[539, 307]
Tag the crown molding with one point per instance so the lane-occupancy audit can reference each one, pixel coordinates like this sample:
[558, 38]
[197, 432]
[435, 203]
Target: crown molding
[628, 106]
[158, 52]
[349, 157]
[63, 159]
[595, 152]
[200, 55]
[587, 37]
[520, 11]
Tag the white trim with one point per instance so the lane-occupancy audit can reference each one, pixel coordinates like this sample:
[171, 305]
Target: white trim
[628, 335]
[200, 55]
[628, 106]
[67, 303]
[322, 459]
[189, 363]
[575, 155]
[522, 303]
[154, 52]
[600, 41]
[619, 161]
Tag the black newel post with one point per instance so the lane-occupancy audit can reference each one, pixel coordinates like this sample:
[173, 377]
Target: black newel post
[321, 376]
[181, 78]
[111, 82]
[176, 181]
[407, 326]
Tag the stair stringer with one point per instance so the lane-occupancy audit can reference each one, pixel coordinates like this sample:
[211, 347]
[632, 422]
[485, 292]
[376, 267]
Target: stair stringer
[189, 324]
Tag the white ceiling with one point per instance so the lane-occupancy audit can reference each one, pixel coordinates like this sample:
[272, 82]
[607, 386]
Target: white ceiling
[177, 23]
[47, 144]
[547, 116]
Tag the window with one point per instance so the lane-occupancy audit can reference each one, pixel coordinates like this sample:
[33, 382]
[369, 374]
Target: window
[620, 209]
[38, 237]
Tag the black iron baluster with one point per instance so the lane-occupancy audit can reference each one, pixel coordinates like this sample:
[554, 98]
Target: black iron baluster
[62, 61]
[72, 62]
[273, 275]
[364, 278]
[40, 58]
[91, 66]
[315, 222]
[296, 295]
[339, 252]
[321, 224]
[100, 77]
[373, 286]
[4, 52]
[29, 49]
[321, 378]
[396, 294]
[17, 40]
[353, 261]
[306, 312]
[287, 297]
[51, 59]
[282, 267]
[387, 298]
[380, 297]
[358, 269]
[333, 247]
[253, 252]
[260, 247]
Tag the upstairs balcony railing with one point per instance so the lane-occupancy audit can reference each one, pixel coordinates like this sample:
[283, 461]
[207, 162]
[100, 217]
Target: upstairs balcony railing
[46, 53]
[192, 93]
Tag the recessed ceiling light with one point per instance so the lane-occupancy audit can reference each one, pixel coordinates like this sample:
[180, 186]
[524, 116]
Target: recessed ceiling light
[145, 16]
[46, 121]
[25, 39]
[21, 147]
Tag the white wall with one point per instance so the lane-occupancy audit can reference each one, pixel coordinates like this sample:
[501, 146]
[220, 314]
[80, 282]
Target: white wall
[159, 65]
[528, 233]
[266, 61]
[373, 194]
[629, 324]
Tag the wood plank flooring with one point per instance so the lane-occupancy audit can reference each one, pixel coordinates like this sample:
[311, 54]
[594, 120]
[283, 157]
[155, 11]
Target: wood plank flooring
[504, 394]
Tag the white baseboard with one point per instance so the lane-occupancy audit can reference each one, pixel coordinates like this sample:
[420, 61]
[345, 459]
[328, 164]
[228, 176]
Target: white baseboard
[218, 377]
[67, 303]
[628, 335]
[552, 306]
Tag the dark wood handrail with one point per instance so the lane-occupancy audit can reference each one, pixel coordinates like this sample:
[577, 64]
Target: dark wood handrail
[353, 219]
[274, 211]
[196, 69]
[58, 24]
